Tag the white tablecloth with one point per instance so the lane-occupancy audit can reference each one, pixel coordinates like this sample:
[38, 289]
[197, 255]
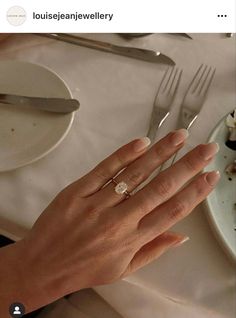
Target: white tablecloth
[116, 95]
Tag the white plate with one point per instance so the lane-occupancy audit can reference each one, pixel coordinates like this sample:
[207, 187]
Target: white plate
[220, 204]
[28, 135]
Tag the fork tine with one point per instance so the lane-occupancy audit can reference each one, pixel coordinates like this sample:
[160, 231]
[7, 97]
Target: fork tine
[163, 80]
[194, 78]
[171, 82]
[176, 82]
[206, 86]
[192, 83]
[203, 81]
[167, 82]
[200, 79]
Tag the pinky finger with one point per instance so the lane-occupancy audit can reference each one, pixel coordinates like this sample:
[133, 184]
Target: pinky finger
[155, 248]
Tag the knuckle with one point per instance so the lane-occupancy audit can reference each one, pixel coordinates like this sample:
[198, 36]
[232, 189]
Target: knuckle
[101, 173]
[159, 151]
[194, 160]
[178, 210]
[67, 197]
[200, 188]
[190, 163]
[165, 187]
[145, 204]
[143, 207]
[120, 158]
[129, 244]
[135, 177]
[110, 229]
[91, 210]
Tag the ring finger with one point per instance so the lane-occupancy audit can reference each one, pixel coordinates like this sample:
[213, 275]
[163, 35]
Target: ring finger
[139, 170]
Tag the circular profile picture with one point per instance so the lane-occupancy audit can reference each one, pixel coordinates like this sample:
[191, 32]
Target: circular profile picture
[16, 16]
[17, 310]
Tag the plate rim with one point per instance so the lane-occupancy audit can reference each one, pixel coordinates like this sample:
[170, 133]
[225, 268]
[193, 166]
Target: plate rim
[45, 153]
[210, 217]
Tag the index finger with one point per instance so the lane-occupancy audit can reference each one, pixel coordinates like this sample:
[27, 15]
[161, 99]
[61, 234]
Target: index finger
[109, 167]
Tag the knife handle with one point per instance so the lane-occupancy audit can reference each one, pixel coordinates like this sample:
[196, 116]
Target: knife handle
[133, 52]
[142, 54]
[77, 40]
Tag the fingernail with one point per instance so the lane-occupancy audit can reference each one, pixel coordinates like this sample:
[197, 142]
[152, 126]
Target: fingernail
[212, 178]
[179, 136]
[181, 241]
[141, 144]
[209, 150]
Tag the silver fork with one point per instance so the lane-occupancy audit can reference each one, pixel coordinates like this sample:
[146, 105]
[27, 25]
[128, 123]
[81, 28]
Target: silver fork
[162, 105]
[163, 100]
[195, 97]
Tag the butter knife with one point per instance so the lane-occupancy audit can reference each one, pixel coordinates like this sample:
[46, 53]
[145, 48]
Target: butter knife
[56, 105]
[133, 52]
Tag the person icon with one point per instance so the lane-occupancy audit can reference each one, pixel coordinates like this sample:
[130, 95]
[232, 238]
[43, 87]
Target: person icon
[17, 311]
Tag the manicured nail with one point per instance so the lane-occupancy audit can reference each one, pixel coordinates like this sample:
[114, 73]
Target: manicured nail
[209, 150]
[182, 241]
[141, 144]
[212, 178]
[179, 136]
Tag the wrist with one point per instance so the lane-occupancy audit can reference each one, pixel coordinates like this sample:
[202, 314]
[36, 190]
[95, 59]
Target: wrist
[22, 281]
[41, 286]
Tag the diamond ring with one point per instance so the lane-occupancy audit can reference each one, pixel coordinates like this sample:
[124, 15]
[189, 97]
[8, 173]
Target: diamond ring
[121, 188]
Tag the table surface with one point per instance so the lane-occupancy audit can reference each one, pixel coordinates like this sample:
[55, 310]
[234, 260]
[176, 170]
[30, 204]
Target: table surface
[194, 280]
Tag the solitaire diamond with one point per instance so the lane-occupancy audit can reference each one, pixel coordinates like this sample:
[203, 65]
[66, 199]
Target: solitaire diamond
[121, 188]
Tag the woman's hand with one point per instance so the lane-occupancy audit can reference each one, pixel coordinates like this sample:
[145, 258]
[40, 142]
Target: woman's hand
[90, 235]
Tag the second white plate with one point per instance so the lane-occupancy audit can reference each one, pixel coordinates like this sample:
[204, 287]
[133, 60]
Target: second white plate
[221, 202]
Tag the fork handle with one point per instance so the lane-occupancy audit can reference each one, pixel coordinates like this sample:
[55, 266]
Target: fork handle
[155, 124]
[175, 155]
[187, 127]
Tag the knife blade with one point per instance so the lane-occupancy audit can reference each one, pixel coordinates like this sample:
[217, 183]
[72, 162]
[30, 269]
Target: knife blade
[56, 105]
[132, 52]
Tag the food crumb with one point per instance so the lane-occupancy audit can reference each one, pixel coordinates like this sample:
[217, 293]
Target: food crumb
[12, 129]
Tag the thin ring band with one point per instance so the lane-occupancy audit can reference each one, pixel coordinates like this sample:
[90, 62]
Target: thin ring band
[120, 187]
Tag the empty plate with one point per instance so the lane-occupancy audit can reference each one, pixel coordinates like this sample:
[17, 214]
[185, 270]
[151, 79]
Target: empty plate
[28, 135]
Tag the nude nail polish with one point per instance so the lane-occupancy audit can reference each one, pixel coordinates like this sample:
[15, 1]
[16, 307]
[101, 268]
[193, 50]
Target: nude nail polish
[141, 144]
[212, 178]
[209, 150]
[182, 241]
